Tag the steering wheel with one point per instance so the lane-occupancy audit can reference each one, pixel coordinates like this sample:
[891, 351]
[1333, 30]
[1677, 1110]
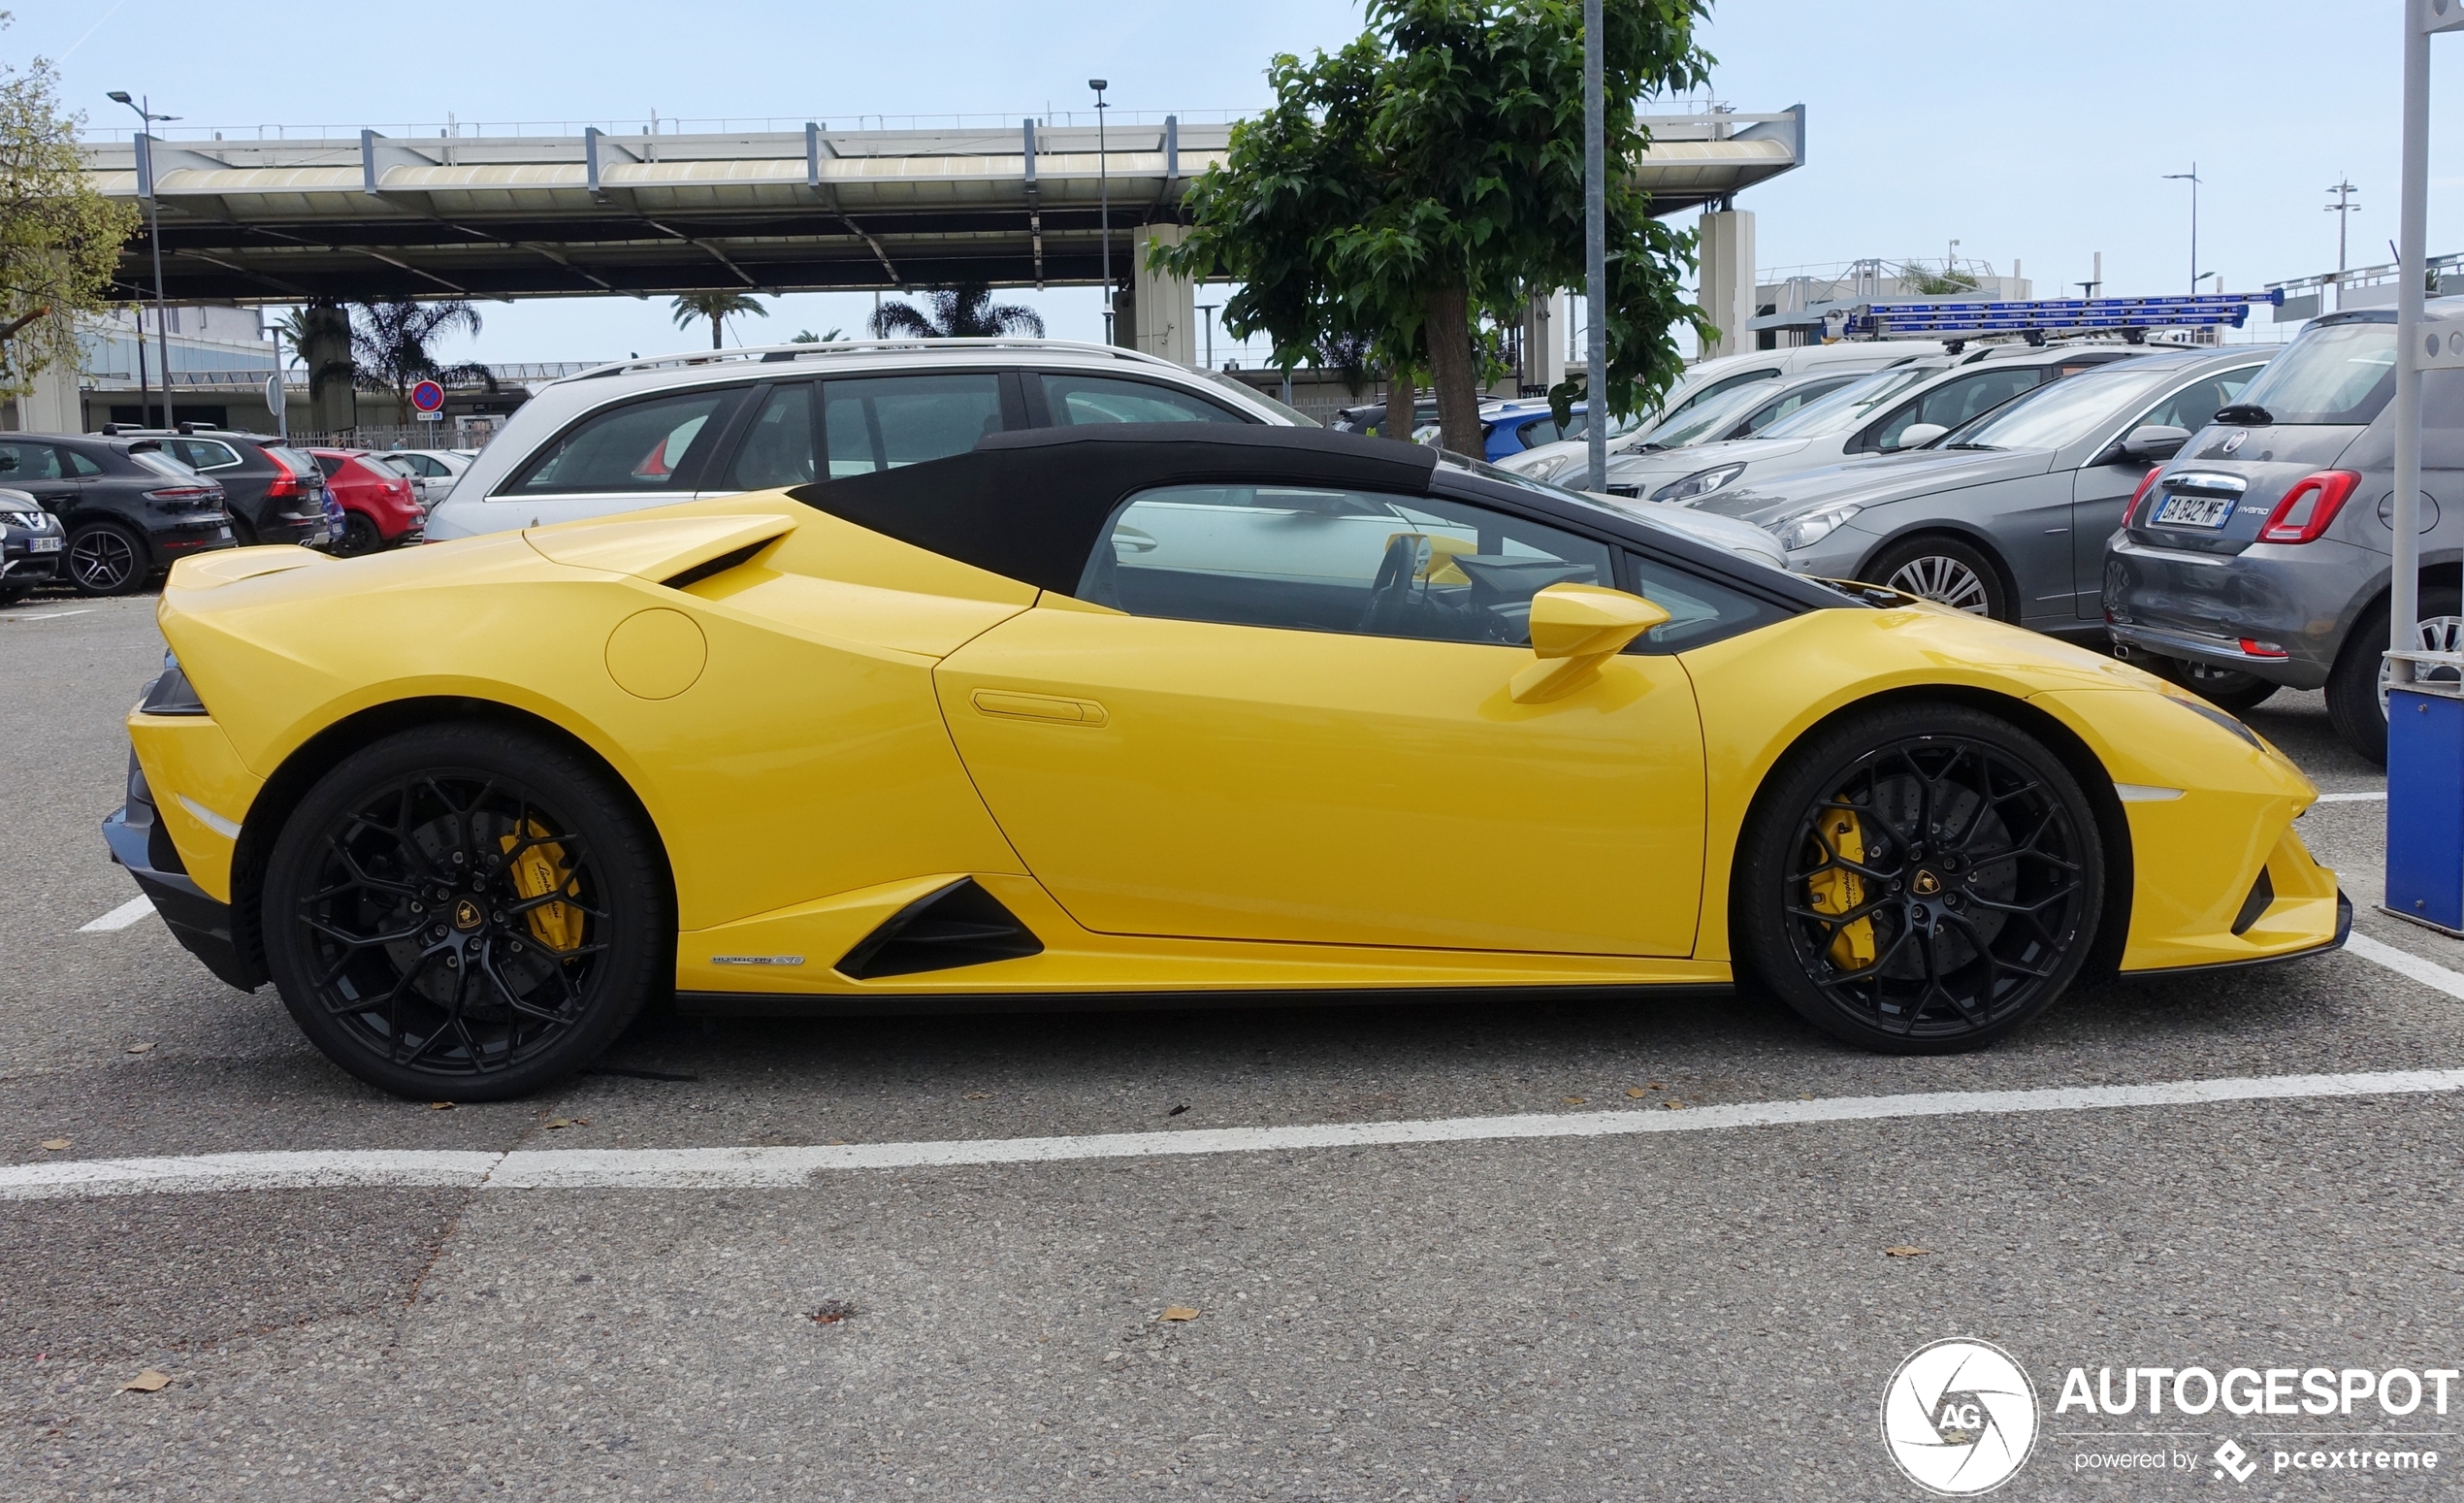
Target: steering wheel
[1408, 554]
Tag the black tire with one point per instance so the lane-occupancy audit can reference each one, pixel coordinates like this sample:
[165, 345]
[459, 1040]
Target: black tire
[412, 922]
[244, 535]
[359, 537]
[11, 594]
[105, 557]
[2228, 689]
[2357, 701]
[1989, 858]
[1947, 569]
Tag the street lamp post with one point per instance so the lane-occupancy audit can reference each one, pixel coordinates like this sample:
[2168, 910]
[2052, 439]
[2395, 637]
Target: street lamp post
[1208, 309]
[2193, 180]
[1104, 198]
[1595, 253]
[2344, 209]
[145, 109]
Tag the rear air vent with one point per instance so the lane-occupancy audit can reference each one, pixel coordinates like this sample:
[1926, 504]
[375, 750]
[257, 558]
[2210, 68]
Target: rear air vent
[958, 925]
[717, 566]
[2262, 893]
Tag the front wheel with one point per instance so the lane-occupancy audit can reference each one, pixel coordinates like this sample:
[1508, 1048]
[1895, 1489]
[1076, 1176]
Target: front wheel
[2357, 685]
[465, 913]
[105, 559]
[1944, 569]
[1919, 879]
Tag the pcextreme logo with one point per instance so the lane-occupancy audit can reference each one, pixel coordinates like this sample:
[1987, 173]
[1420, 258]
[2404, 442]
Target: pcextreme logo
[1960, 1417]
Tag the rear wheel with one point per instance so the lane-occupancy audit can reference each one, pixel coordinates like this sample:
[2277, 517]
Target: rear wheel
[2357, 685]
[1919, 879]
[465, 913]
[243, 532]
[1946, 570]
[359, 535]
[105, 557]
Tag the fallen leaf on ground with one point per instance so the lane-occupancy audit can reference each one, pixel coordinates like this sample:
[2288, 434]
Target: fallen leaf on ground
[147, 1382]
[1673, 1104]
[830, 1312]
[1177, 1110]
[55, 1144]
[1576, 1100]
[567, 1122]
[1907, 1252]
[1653, 1085]
[979, 1096]
[1178, 1313]
[1636, 1092]
[141, 1049]
[440, 1106]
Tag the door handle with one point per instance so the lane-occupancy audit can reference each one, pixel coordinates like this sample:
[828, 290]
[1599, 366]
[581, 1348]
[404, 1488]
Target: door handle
[1050, 709]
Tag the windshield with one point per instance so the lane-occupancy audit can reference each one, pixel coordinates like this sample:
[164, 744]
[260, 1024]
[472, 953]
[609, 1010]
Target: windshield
[1699, 422]
[1849, 406]
[2059, 413]
[1290, 414]
[2339, 373]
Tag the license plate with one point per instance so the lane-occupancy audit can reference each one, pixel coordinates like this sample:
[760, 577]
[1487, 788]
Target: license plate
[43, 544]
[2193, 511]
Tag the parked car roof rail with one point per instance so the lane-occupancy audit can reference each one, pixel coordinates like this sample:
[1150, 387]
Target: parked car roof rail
[768, 353]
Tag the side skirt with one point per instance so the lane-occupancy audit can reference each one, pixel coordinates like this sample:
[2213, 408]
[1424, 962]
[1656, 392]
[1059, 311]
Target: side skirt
[772, 1005]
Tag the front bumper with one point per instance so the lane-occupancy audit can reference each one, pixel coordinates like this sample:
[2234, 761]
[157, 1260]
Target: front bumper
[200, 922]
[20, 566]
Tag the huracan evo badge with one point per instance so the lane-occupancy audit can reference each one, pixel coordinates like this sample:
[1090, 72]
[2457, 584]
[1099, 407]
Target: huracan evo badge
[757, 960]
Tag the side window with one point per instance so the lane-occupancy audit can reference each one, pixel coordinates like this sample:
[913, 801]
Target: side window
[1772, 411]
[884, 422]
[331, 464]
[202, 454]
[2196, 405]
[78, 465]
[1073, 400]
[1699, 609]
[644, 446]
[29, 462]
[1334, 561]
[1723, 384]
[778, 448]
[1955, 402]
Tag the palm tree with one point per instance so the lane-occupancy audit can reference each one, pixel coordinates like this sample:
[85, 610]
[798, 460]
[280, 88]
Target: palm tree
[390, 340]
[966, 312]
[718, 308]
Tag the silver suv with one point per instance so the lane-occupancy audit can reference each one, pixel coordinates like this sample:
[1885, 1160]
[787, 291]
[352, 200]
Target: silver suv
[648, 433]
[2260, 554]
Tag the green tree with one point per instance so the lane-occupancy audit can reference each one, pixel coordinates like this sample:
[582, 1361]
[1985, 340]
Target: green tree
[1430, 174]
[966, 312]
[718, 308]
[808, 336]
[390, 346]
[59, 240]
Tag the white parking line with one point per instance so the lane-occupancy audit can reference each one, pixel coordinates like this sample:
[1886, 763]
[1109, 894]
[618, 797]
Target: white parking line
[719, 1168]
[2380, 797]
[121, 917]
[53, 616]
[2404, 963]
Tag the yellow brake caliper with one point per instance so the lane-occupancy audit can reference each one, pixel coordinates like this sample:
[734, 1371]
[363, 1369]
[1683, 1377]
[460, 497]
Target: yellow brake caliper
[536, 872]
[1838, 890]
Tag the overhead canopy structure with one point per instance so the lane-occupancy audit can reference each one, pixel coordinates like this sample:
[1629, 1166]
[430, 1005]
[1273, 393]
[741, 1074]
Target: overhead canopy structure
[502, 217]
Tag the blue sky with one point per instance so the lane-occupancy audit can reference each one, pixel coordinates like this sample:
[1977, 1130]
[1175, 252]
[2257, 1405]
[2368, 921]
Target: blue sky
[2034, 131]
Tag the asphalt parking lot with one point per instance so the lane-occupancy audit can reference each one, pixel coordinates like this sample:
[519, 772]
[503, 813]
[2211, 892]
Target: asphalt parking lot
[1710, 1313]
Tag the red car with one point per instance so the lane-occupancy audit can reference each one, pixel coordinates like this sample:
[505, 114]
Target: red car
[378, 508]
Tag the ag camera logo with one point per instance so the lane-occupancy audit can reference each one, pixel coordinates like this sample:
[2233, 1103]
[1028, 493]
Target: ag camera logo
[1960, 1417]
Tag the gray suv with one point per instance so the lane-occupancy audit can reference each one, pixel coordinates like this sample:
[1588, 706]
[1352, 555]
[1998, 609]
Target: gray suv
[2260, 552]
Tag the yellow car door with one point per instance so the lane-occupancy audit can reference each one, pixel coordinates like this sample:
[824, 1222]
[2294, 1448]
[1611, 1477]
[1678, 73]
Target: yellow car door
[1286, 715]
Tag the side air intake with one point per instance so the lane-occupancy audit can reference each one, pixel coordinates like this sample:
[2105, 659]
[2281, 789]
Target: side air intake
[958, 925]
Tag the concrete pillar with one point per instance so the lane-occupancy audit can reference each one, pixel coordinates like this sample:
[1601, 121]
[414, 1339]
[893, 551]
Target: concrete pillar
[1725, 254]
[53, 406]
[332, 400]
[1544, 341]
[1167, 322]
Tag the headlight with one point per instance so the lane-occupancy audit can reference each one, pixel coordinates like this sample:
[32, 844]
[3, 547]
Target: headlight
[2209, 712]
[1701, 484]
[170, 694]
[1806, 531]
[31, 521]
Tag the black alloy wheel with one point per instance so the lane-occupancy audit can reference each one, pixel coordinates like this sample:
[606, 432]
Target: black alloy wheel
[1946, 570]
[1920, 879]
[105, 559]
[465, 913]
[359, 537]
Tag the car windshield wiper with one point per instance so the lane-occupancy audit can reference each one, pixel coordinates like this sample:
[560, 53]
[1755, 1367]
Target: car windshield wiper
[1970, 446]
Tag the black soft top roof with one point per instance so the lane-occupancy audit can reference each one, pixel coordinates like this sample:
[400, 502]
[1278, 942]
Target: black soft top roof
[1030, 505]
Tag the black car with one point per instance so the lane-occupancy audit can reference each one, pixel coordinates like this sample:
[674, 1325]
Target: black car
[1371, 418]
[130, 510]
[30, 546]
[274, 493]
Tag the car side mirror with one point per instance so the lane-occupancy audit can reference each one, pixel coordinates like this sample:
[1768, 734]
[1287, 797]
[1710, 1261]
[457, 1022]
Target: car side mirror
[1917, 436]
[1576, 628]
[2153, 443]
[8, 462]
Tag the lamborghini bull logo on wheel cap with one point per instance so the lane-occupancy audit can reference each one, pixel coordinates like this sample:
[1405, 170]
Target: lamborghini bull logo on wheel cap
[467, 915]
[1926, 884]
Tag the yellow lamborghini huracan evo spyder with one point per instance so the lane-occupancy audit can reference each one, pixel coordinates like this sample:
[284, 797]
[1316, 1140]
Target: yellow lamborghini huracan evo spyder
[1148, 716]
